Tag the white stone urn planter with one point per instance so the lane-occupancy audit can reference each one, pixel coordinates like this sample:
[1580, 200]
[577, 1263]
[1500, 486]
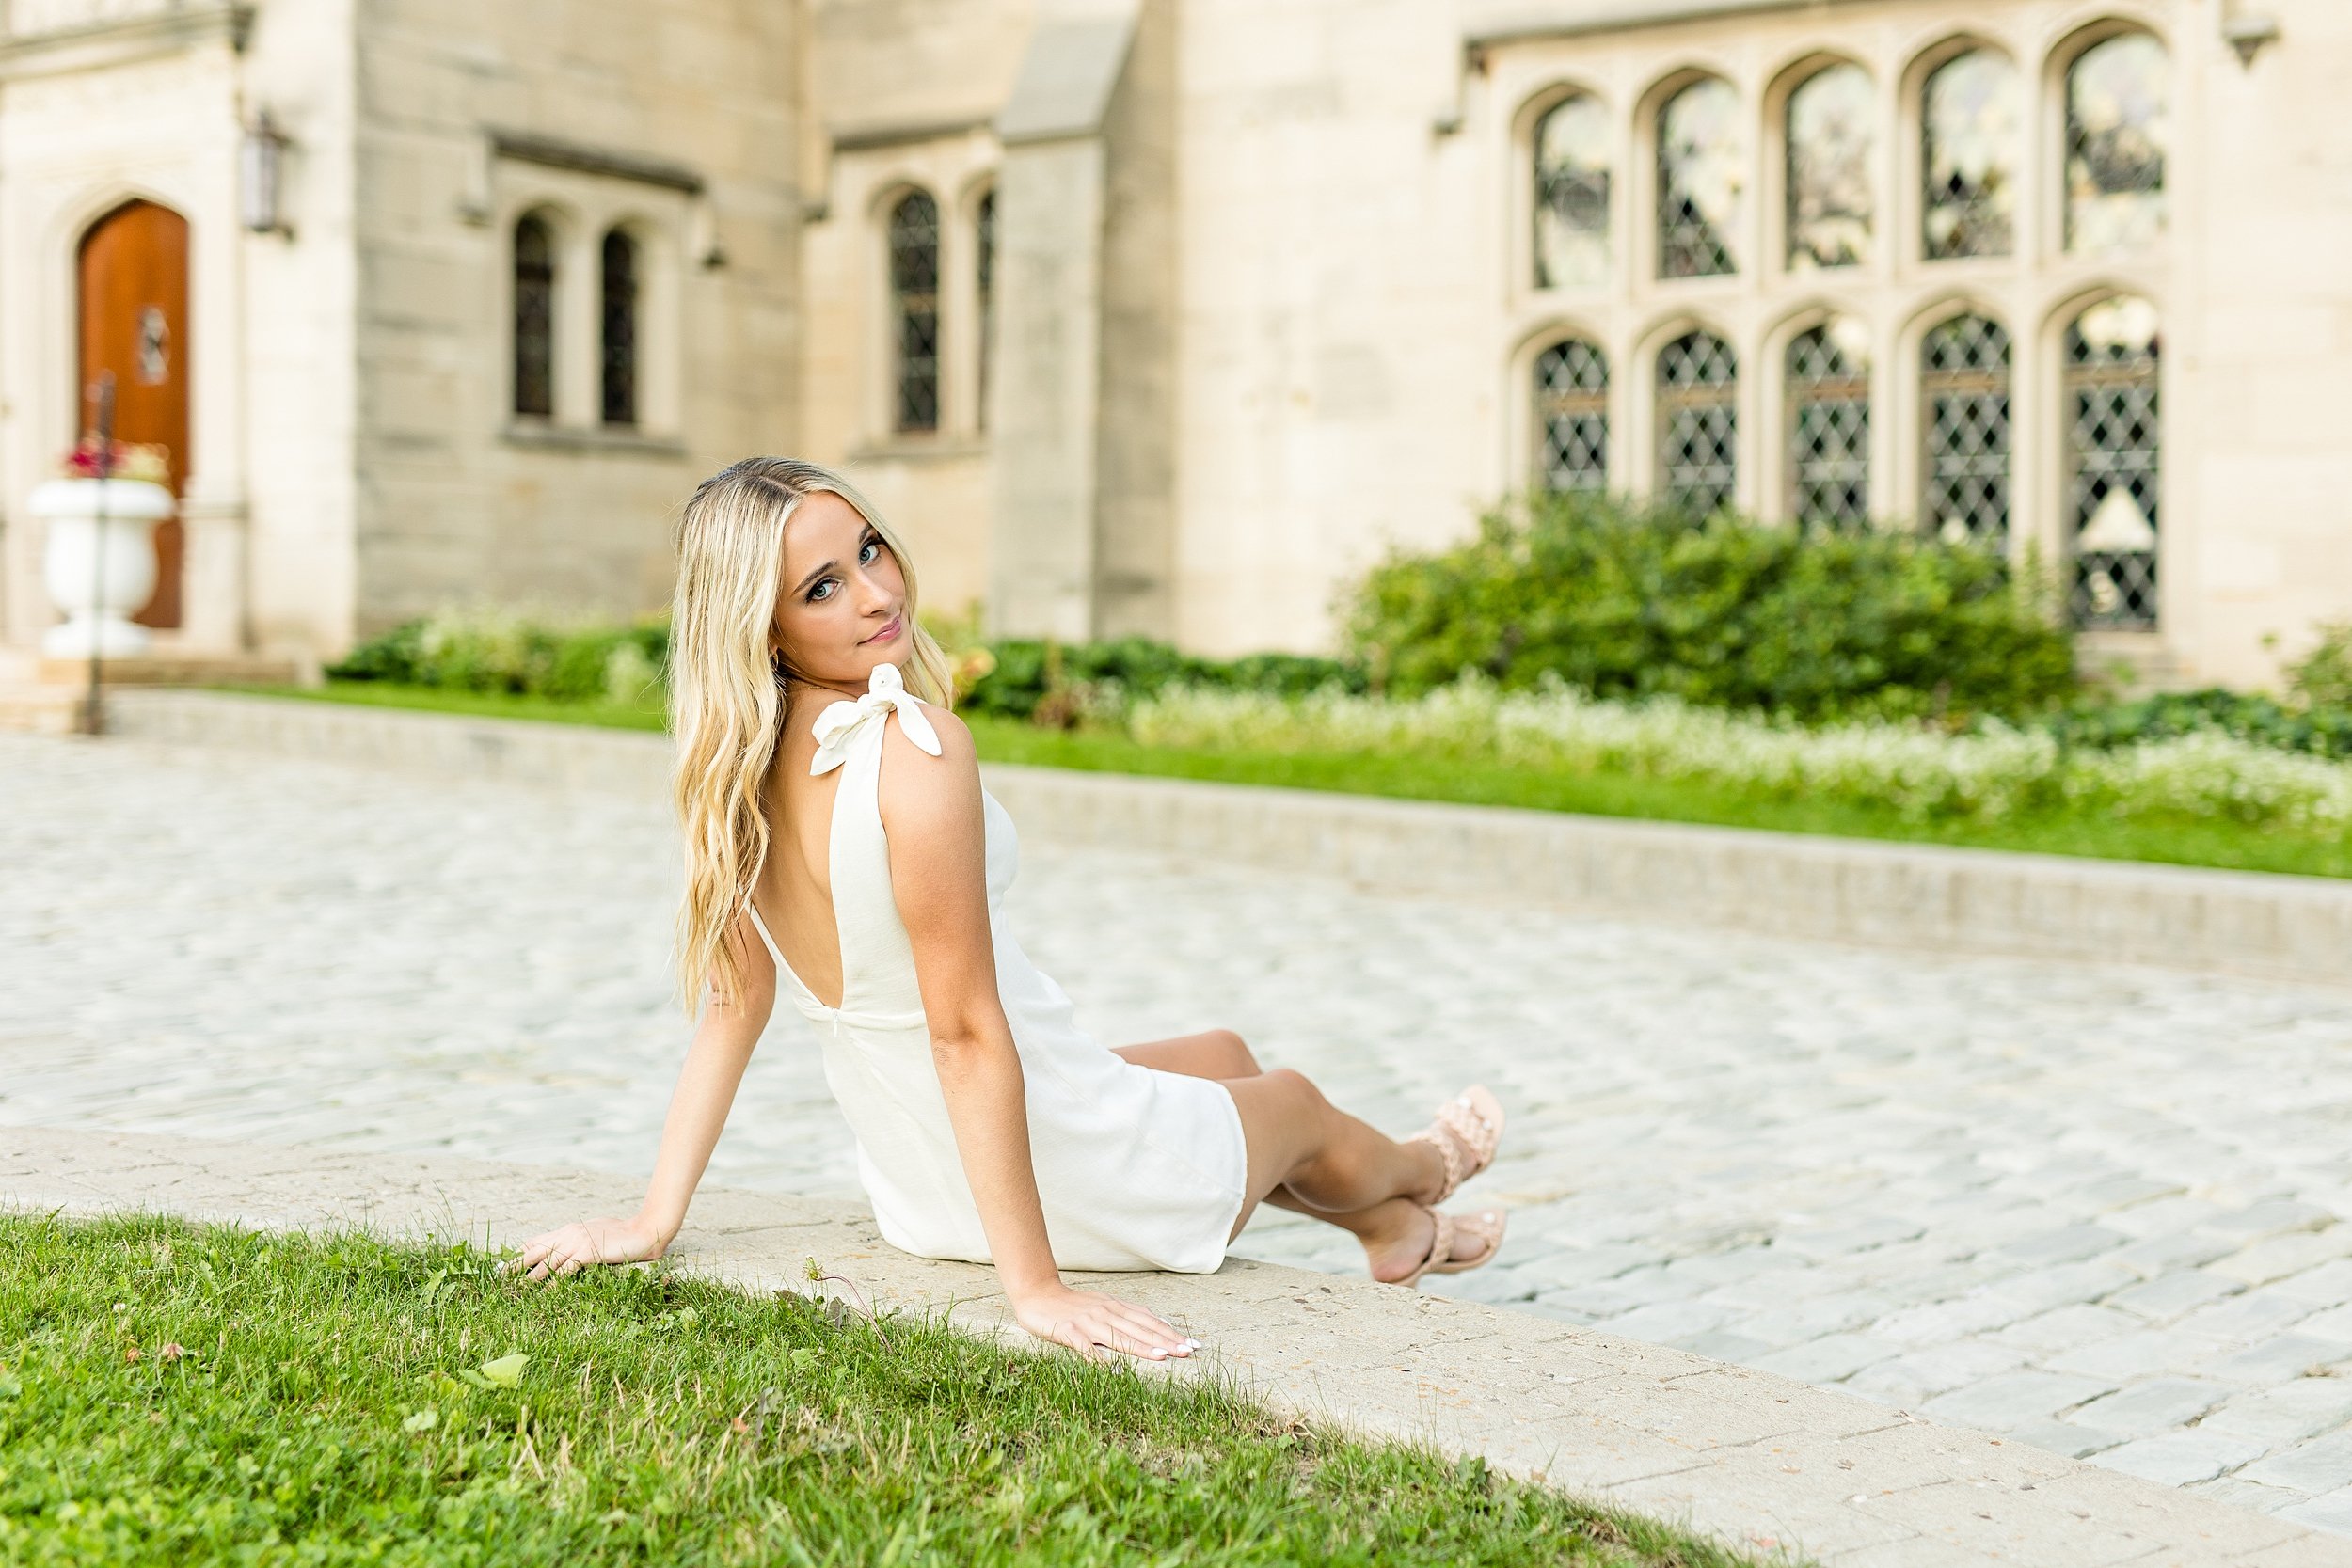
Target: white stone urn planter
[96, 596]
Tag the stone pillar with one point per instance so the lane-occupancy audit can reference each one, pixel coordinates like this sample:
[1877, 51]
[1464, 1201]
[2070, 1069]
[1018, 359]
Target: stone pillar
[1048, 355]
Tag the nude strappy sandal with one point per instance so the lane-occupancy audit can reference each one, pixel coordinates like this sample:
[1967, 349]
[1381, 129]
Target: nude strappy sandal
[1486, 1225]
[1465, 1130]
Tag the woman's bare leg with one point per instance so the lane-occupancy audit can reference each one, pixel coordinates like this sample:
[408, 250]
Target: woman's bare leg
[1394, 1230]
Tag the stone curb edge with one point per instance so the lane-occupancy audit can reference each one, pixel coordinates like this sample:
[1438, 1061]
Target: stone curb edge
[1924, 897]
[1785, 1470]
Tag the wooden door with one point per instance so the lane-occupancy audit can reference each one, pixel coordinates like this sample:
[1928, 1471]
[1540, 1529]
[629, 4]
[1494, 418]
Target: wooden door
[134, 307]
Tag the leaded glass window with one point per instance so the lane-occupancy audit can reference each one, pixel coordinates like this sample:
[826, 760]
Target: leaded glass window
[984, 278]
[1572, 194]
[1828, 425]
[1970, 117]
[534, 316]
[1698, 422]
[914, 310]
[2116, 130]
[1963, 392]
[1699, 180]
[1829, 207]
[1572, 417]
[619, 301]
[2115, 446]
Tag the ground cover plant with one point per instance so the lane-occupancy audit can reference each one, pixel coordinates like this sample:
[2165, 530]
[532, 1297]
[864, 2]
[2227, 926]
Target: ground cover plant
[173, 1392]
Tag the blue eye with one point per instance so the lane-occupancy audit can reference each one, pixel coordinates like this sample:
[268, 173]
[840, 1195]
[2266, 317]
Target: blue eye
[871, 549]
[823, 589]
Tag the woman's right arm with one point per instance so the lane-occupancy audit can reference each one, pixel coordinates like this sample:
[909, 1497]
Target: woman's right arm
[698, 1113]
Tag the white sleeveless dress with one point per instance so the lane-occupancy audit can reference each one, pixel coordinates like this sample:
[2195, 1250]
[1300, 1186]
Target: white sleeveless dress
[1135, 1169]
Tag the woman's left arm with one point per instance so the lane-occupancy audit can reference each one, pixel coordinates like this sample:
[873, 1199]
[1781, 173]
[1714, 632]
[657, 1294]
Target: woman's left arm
[931, 812]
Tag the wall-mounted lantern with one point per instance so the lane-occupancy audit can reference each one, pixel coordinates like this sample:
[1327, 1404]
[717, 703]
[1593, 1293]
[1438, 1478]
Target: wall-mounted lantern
[261, 163]
[2247, 32]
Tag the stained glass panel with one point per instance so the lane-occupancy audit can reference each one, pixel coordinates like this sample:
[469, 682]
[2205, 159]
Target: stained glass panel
[1964, 391]
[2117, 127]
[1699, 180]
[534, 317]
[1698, 422]
[1970, 116]
[1828, 425]
[914, 300]
[1830, 207]
[620, 329]
[1572, 417]
[2115, 446]
[1572, 194]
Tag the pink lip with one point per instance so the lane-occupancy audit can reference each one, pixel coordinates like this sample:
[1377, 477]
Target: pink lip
[890, 631]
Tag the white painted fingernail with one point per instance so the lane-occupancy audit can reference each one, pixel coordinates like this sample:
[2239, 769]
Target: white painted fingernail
[1194, 1343]
[1158, 1350]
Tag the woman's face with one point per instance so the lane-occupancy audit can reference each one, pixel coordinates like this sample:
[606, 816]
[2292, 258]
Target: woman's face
[841, 604]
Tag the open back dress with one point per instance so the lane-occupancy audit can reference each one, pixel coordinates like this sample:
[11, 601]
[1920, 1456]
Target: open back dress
[1135, 1169]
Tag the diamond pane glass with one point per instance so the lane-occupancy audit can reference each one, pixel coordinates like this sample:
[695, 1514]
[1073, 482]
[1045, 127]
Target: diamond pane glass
[914, 300]
[1964, 391]
[1970, 116]
[984, 277]
[1830, 210]
[1698, 422]
[534, 317]
[1572, 195]
[1572, 417]
[619, 367]
[1698, 179]
[2117, 127]
[2116, 447]
[1829, 426]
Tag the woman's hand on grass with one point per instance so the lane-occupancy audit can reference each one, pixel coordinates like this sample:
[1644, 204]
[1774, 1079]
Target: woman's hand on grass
[1087, 1322]
[575, 1246]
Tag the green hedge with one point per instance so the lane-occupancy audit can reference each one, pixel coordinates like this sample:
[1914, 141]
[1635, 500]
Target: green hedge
[1055, 682]
[481, 650]
[1625, 601]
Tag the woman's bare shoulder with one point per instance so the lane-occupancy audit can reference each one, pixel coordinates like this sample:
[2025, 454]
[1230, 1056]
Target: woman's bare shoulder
[917, 785]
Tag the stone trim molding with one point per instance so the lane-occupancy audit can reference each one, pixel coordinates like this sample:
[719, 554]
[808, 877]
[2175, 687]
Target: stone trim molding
[529, 148]
[1907, 895]
[119, 41]
[1768, 1466]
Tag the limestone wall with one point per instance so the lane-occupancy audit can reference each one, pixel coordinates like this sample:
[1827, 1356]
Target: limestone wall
[680, 124]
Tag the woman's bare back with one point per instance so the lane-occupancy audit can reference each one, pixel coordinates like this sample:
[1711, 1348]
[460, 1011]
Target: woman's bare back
[794, 891]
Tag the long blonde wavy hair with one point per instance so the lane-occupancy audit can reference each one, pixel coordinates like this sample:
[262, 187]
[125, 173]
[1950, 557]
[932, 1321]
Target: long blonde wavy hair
[728, 692]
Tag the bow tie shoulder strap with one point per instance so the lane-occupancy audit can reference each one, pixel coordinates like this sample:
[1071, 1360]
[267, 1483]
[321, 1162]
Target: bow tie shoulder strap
[885, 692]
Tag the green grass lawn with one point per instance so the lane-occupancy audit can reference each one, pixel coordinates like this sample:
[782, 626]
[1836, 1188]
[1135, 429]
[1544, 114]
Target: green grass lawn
[177, 1393]
[2184, 841]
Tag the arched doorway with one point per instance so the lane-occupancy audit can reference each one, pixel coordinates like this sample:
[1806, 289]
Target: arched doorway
[134, 311]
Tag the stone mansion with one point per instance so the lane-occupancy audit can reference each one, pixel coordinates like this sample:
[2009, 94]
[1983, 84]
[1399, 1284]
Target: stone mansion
[1168, 316]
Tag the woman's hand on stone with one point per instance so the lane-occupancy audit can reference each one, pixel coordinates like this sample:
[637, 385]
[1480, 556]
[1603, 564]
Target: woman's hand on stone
[1091, 1324]
[573, 1247]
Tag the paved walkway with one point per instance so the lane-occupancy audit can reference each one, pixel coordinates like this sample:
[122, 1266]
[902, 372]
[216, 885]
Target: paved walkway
[2100, 1211]
[1790, 1473]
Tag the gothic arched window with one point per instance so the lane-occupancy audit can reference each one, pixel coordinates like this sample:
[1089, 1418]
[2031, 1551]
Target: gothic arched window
[1698, 422]
[2115, 447]
[984, 281]
[1572, 417]
[1963, 394]
[2116, 130]
[534, 316]
[1572, 194]
[1699, 180]
[1969, 121]
[617, 337]
[1830, 205]
[1828, 425]
[914, 311]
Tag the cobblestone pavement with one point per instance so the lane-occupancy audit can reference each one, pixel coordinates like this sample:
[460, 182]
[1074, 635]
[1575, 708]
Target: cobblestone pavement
[2107, 1212]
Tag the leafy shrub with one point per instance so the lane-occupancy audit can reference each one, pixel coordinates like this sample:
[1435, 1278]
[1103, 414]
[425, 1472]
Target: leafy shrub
[2323, 731]
[1621, 601]
[1057, 683]
[497, 650]
[2323, 678]
[1995, 772]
